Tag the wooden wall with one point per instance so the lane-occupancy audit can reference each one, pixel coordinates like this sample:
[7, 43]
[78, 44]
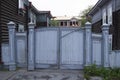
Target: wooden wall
[9, 12]
[116, 34]
[96, 27]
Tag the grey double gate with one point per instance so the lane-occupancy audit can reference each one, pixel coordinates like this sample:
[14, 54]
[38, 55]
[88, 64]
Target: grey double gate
[59, 48]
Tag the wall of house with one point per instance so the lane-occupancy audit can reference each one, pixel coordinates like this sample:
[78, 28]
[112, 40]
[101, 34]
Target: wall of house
[96, 27]
[97, 22]
[97, 16]
[9, 12]
[42, 20]
[115, 27]
[0, 35]
[116, 34]
[117, 4]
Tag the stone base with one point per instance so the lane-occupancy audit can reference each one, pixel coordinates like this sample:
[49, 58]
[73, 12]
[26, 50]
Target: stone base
[31, 68]
[12, 68]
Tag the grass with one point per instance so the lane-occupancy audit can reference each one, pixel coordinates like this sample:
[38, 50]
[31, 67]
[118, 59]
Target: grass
[105, 73]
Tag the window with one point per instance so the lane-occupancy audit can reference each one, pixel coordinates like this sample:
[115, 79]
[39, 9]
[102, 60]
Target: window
[21, 8]
[21, 4]
[104, 19]
[20, 28]
[61, 24]
[70, 23]
[109, 10]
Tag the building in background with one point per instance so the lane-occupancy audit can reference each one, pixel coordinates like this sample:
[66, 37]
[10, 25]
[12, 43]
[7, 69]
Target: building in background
[39, 18]
[107, 12]
[65, 21]
[43, 18]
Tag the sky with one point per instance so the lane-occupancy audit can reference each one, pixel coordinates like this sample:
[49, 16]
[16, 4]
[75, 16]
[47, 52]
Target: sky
[63, 7]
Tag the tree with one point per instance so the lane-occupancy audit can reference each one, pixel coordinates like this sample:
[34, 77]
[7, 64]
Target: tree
[84, 16]
[54, 22]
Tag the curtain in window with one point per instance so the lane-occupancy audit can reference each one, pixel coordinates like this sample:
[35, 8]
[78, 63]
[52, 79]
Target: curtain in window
[21, 4]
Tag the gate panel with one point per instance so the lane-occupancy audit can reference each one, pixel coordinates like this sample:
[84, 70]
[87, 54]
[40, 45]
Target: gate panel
[46, 44]
[72, 48]
[96, 49]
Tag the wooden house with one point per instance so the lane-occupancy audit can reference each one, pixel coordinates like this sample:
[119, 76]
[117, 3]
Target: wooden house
[39, 18]
[107, 12]
[43, 18]
[12, 10]
[21, 12]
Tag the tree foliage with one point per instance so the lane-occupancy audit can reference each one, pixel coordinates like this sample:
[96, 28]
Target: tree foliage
[54, 23]
[84, 15]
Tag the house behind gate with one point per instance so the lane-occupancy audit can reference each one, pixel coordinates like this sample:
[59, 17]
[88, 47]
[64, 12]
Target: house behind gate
[21, 12]
[68, 21]
[12, 10]
[39, 18]
[107, 12]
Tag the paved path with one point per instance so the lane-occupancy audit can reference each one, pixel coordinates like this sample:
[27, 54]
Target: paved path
[42, 75]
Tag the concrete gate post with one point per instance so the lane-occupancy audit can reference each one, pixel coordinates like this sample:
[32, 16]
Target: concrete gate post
[105, 44]
[31, 47]
[11, 29]
[88, 44]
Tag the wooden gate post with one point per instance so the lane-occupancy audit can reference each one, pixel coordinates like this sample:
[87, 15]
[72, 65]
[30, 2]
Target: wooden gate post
[105, 44]
[31, 48]
[11, 29]
[88, 44]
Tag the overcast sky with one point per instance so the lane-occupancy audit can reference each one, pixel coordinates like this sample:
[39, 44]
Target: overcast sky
[63, 7]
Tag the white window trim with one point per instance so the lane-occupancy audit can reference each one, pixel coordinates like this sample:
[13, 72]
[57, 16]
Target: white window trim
[21, 28]
[21, 4]
[32, 17]
[109, 10]
[104, 14]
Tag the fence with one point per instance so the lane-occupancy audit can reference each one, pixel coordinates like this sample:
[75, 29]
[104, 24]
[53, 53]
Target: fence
[65, 48]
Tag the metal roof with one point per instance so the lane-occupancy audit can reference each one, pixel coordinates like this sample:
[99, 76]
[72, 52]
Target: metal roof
[97, 6]
[66, 17]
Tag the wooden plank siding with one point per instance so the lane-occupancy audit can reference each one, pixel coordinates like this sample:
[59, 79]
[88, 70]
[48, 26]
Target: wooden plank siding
[97, 13]
[9, 12]
[0, 34]
[116, 34]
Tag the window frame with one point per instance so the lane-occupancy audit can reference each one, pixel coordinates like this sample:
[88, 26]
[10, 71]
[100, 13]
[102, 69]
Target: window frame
[104, 16]
[109, 13]
[21, 4]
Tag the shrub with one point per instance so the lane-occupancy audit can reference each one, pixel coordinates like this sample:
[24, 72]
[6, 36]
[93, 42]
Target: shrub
[105, 73]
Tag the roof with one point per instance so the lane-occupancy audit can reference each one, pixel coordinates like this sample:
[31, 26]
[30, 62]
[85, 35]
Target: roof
[46, 12]
[35, 10]
[97, 6]
[66, 17]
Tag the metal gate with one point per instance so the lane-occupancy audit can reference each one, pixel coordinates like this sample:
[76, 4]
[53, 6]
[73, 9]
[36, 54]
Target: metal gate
[59, 48]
